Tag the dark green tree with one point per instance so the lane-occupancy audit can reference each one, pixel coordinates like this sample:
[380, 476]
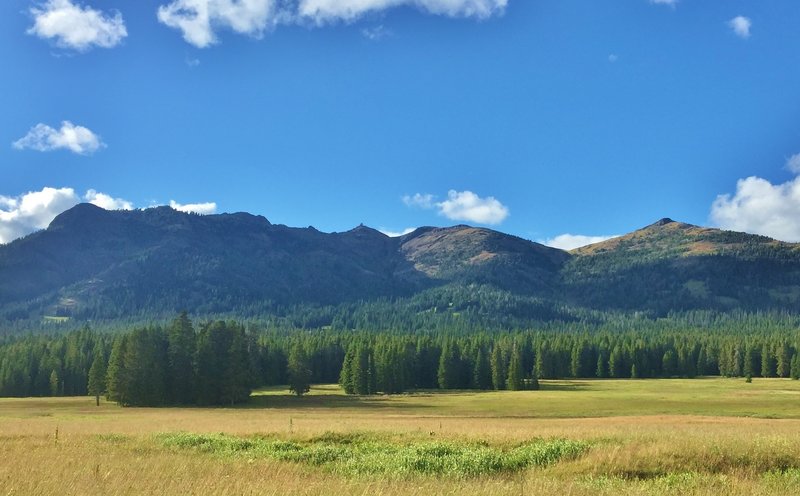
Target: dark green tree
[299, 371]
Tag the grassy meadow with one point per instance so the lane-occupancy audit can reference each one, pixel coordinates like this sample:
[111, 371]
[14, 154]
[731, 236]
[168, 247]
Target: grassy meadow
[700, 436]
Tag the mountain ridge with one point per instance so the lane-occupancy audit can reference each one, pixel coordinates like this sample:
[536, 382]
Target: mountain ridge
[93, 263]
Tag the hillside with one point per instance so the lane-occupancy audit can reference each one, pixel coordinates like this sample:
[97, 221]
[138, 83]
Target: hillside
[92, 263]
[670, 266]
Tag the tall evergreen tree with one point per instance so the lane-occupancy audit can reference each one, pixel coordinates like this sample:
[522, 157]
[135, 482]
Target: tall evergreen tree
[182, 348]
[516, 376]
[767, 362]
[449, 366]
[498, 368]
[97, 373]
[116, 373]
[299, 371]
[482, 373]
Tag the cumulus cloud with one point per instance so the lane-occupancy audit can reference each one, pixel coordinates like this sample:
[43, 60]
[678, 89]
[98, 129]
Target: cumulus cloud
[196, 208]
[572, 241]
[75, 27]
[323, 11]
[34, 210]
[198, 19]
[107, 202]
[395, 234]
[462, 206]
[466, 205]
[741, 26]
[760, 207]
[44, 138]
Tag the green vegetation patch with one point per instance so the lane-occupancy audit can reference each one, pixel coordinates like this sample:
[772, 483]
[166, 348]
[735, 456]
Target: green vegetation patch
[360, 455]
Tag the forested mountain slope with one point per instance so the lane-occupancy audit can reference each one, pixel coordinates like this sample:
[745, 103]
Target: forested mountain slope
[92, 263]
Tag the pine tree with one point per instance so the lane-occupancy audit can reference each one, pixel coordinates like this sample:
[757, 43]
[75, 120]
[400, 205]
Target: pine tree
[498, 368]
[346, 375]
[794, 373]
[784, 359]
[600, 371]
[515, 373]
[97, 373]
[767, 362]
[299, 371]
[182, 348]
[116, 374]
[749, 361]
[449, 364]
[482, 374]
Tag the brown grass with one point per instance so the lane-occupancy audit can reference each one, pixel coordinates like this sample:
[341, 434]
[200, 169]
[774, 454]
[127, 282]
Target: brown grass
[110, 450]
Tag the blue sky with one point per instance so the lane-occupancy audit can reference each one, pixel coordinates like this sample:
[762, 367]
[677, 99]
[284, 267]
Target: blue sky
[534, 117]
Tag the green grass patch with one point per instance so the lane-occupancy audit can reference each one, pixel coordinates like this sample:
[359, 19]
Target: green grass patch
[356, 455]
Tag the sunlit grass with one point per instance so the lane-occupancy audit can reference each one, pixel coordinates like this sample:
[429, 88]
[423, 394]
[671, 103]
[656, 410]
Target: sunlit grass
[661, 437]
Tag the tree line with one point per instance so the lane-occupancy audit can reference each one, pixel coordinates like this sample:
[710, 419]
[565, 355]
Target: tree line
[220, 362]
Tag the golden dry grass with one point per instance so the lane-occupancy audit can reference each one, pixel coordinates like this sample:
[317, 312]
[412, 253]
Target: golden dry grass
[111, 450]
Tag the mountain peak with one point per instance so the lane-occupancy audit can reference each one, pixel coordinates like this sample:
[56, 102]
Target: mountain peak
[80, 214]
[662, 222]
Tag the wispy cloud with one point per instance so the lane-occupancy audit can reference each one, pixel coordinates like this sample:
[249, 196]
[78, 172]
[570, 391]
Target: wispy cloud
[670, 3]
[196, 208]
[741, 26]
[462, 206]
[760, 207]
[793, 163]
[324, 11]
[75, 27]
[419, 200]
[376, 33]
[200, 20]
[572, 241]
[44, 138]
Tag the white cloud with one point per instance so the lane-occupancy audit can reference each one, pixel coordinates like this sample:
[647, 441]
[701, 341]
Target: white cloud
[419, 200]
[572, 241]
[462, 205]
[198, 19]
[107, 202]
[671, 3]
[32, 211]
[741, 26]
[322, 11]
[197, 208]
[761, 207]
[466, 205]
[793, 163]
[395, 234]
[44, 138]
[75, 27]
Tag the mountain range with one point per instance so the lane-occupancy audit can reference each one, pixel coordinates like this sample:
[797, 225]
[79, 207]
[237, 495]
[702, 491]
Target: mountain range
[92, 263]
